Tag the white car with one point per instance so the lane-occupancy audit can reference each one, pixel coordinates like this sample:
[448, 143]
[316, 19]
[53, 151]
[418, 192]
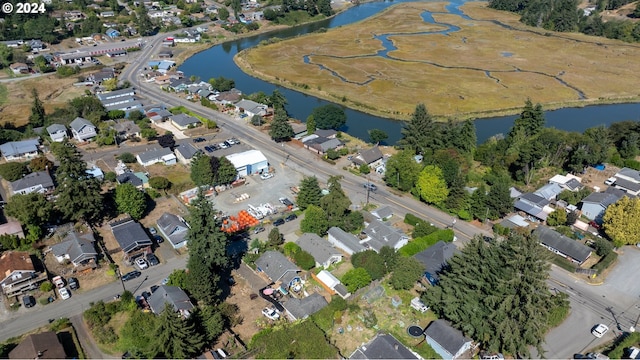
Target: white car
[600, 330]
[64, 293]
[265, 176]
[223, 145]
[141, 263]
[271, 313]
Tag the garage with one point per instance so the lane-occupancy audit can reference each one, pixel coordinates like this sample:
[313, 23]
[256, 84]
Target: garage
[249, 162]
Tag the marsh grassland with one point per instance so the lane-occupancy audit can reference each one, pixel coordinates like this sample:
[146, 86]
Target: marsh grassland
[483, 65]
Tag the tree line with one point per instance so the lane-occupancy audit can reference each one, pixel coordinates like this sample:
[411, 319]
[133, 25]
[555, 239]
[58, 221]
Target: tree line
[565, 16]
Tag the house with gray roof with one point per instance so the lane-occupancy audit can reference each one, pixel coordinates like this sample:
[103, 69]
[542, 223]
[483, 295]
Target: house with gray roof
[278, 269]
[171, 296]
[549, 191]
[298, 309]
[185, 152]
[126, 129]
[514, 221]
[77, 248]
[116, 96]
[562, 245]
[628, 180]
[323, 253]
[57, 132]
[129, 177]
[380, 234]
[382, 213]
[82, 129]
[383, 346]
[251, 108]
[370, 157]
[184, 121]
[20, 150]
[131, 237]
[435, 258]
[594, 205]
[174, 228]
[40, 182]
[326, 133]
[321, 145]
[157, 155]
[534, 205]
[345, 241]
[448, 342]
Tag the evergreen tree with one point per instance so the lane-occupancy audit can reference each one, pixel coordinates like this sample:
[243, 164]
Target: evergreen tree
[311, 125]
[420, 133]
[226, 172]
[277, 100]
[37, 117]
[280, 130]
[201, 170]
[531, 120]
[177, 338]
[145, 26]
[309, 192]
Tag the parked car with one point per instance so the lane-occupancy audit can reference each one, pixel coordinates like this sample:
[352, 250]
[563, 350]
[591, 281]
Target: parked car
[290, 217]
[152, 259]
[227, 143]
[370, 186]
[73, 283]
[58, 281]
[131, 275]
[141, 263]
[599, 330]
[271, 313]
[235, 141]
[159, 239]
[152, 230]
[610, 181]
[265, 176]
[199, 139]
[223, 145]
[64, 293]
[258, 229]
[208, 148]
[146, 295]
[153, 288]
[286, 202]
[165, 281]
[278, 222]
[29, 301]
[231, 141]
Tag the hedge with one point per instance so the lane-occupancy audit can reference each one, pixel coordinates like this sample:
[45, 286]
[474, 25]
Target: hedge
[412, 219]
[422, 243]
[629, 340]
[605, 262]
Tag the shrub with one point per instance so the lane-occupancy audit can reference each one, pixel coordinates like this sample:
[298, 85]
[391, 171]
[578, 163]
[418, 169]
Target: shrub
[412, 219]
[304, 260]
[328, 161]
[464, 215]
[364, 169]
[632, 163]
[127, 158]
[422, 243]
[630, 339]
[60, 324]
[558, 313]
[290, 249]
[371, 261]
[46, 286]
[423, 229]
[110, 176]
[154, 194]
[605, 262]
[602, 246]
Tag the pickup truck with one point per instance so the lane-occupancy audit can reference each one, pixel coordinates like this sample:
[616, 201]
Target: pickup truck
[58, 281]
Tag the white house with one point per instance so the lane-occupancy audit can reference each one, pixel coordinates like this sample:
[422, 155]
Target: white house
[249, 162]
[345, 241]
[448, 342]
[57, 132]
[380, 234]
[331, 282]
[82, 129]
[157, 155]
[251, 108]
[20, 150]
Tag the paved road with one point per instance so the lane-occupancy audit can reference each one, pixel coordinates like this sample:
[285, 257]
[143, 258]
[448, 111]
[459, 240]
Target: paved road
[79, 302]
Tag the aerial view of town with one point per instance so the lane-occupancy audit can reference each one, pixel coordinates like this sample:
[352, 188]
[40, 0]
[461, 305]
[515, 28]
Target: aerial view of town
[320, 179]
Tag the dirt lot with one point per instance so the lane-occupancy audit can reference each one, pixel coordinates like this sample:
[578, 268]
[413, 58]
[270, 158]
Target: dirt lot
[53, 91]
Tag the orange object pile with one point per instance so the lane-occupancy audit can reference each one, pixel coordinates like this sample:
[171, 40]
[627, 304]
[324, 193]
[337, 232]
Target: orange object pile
[238, 223]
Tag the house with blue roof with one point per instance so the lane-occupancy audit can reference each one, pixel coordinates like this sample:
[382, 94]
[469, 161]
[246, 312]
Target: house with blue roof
[20, 150]
[112, 33]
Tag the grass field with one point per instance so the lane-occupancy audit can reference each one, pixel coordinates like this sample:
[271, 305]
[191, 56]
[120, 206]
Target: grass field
[483, 69]
[16, 99]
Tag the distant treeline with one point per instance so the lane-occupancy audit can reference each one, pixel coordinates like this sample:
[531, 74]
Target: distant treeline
[564, 15]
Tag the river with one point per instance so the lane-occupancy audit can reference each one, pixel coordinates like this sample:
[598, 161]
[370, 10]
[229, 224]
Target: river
[219, 60]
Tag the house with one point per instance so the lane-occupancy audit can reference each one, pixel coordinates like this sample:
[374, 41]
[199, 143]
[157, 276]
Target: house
[320, 145]
[165, 66]
[298, 309]
[165, 54]
[331, 284]
[20, 150]
[112, 33]
[251, 108]
[157, 155]
[562, 245]
[382, 213]
[549, 191]
[12, 228]
[77, 248]
[299, 129]
[39, 181]
[321, 250]
[179, 85]
[448, 342]
[514, 221]
[57, 132]
[595, 204]
[534, 205]
[106, 14]
[383, 346]
[13, 43]
[212, 9]
[127, 129]
[19, 68]
[628, 180]
[82, 129]
[435, 258]
[158, 116]
[36, 45]
[171, 296]
[131, 237]
[115, 97]
[345, 241]
[129, 177]
[45, 345]
[380, 234]
[567, 182]
[278, 269]
[18, 273]
[117, 53]
[95, 172]
[185, 152]
[102, 75]
[174, 228]
[326, 133]
[184, 121]
[370, 157]
[249, 162]
[74, 58]
[229, 97]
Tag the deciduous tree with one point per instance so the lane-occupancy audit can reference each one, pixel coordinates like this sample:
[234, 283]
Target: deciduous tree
[372, 262]
[406, 273]
[315, 221]
[226, 172]
[201, 172]
[355, 279]
[402, 170]
[13, 171]
[431, 185]
[329, 117]
[621, 221]
[557, 217]
[40, 163]
[377, 136]
[159, 183]
[130, 200]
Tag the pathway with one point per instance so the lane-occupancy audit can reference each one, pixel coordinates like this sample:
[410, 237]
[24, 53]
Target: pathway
[91, 350]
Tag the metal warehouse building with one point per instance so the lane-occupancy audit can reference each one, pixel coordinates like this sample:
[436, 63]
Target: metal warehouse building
[249, 162]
